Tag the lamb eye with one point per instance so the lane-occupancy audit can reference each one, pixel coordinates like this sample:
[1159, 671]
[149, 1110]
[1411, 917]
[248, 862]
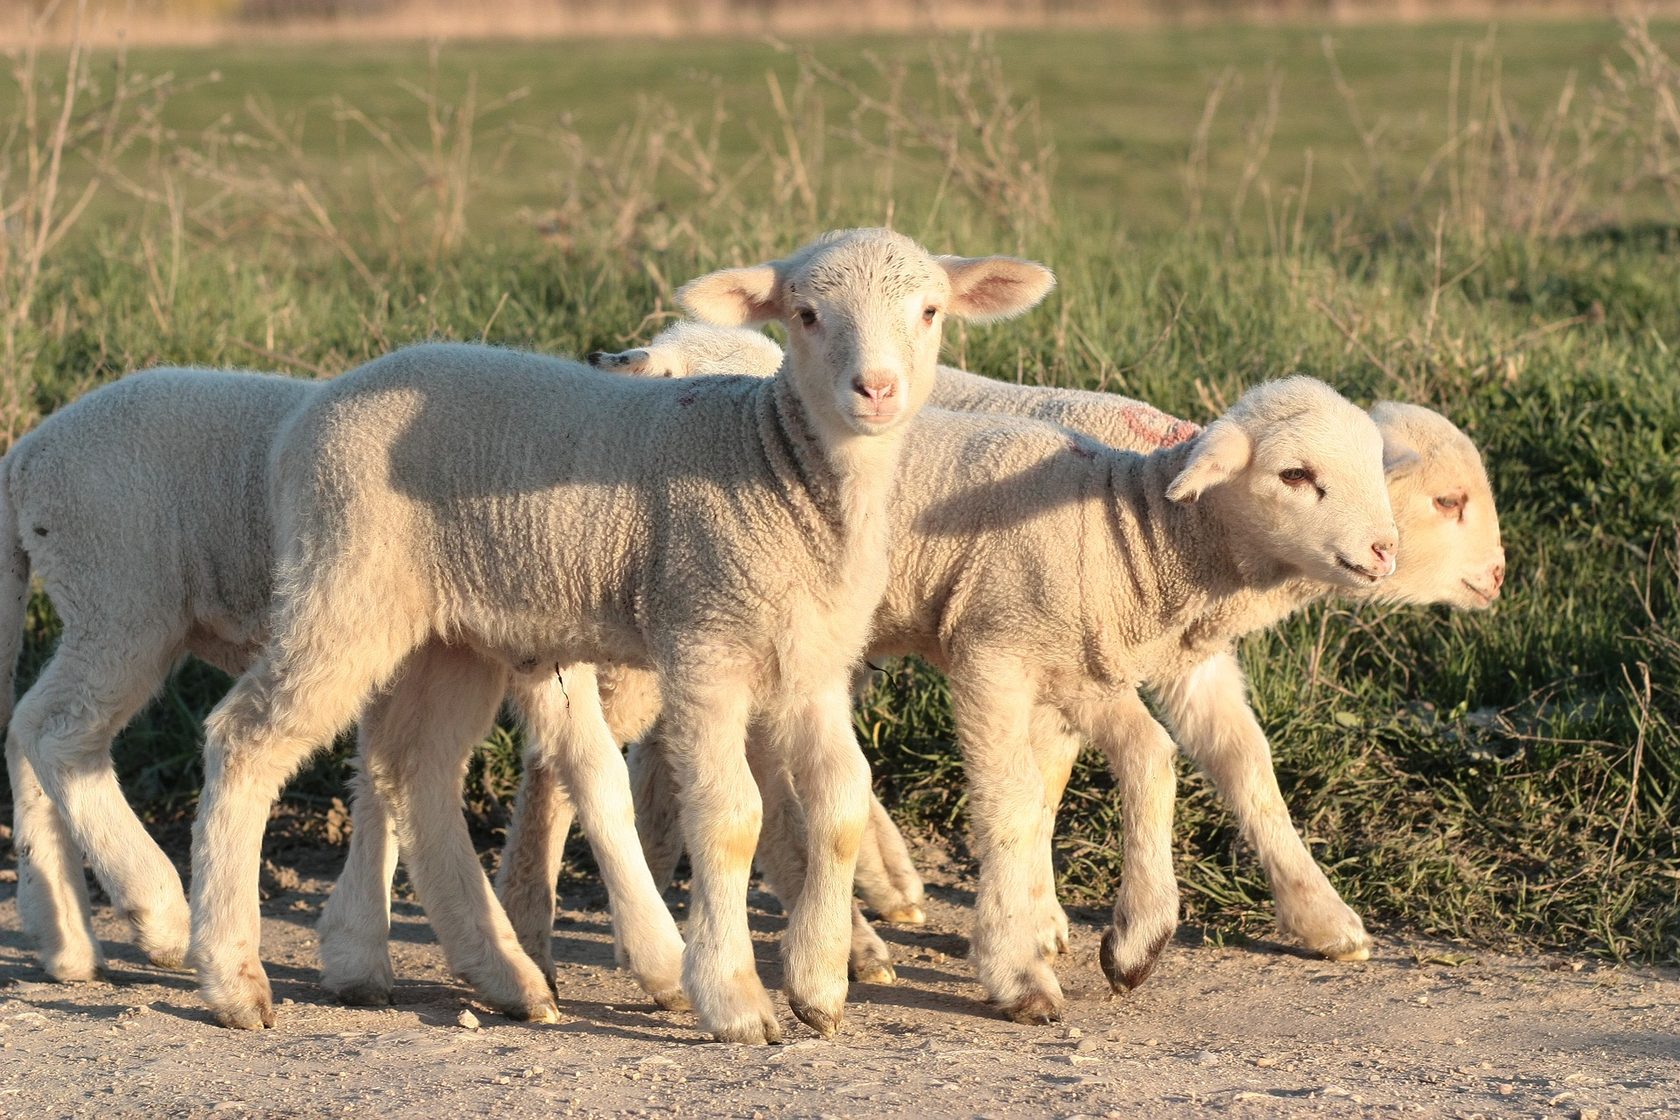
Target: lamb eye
[1296, 476]
[807, 316]
[1450, 503]
[929, 314]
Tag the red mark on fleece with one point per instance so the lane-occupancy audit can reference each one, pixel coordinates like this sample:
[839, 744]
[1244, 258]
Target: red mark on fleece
[687, 399]
[1081, 450]
[1156, 426]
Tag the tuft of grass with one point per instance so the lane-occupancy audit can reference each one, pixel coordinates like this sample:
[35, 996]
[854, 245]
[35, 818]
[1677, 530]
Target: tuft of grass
[1369, 213]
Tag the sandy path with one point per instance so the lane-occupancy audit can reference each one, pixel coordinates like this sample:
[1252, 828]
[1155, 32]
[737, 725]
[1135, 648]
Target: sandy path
[1249, 1031]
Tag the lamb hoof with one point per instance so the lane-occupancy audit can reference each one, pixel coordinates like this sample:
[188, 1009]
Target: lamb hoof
[818, 1020]
[1127, 975]
[759, 1031]
[251, 1017]
[1035, 1010]
[1347, 953]
[74, 970]
[904, 916]
[672, 999]
[874, 972]
[544, 1012]
[366, 994]
[173, 958]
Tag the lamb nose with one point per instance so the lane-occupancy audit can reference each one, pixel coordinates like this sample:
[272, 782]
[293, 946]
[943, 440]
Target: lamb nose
[1498, 574]
[875, 388]
[1384, 552]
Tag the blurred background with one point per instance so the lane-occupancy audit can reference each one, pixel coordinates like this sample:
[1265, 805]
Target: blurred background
[206, 21]
[1473, 206]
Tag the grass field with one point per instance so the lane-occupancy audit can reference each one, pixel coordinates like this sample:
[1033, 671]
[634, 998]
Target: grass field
[1480, 222]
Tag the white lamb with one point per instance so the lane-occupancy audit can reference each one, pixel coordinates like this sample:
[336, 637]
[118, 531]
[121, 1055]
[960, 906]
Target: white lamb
[144, 508]
[731, 533]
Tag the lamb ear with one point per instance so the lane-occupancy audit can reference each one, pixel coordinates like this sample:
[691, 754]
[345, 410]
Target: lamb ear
[1400, 458]
[734, 297]
[622, 361]
[988, 288]
[1222, 450]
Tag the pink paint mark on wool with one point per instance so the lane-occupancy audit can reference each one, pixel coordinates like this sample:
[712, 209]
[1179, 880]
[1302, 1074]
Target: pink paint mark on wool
[1156, 426]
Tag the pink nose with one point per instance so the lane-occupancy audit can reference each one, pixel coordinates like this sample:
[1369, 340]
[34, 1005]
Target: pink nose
[1497, 572]
[874, 387]
[1384, 552]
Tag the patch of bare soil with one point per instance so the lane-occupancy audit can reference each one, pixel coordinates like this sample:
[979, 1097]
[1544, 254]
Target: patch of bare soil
[1255, 1031]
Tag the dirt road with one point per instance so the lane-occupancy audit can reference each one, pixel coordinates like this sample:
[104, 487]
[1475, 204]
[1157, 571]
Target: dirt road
[1242, 1032]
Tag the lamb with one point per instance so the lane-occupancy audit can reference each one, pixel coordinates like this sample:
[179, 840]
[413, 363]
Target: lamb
[729, 533]
[145, 565]
[1172, 556]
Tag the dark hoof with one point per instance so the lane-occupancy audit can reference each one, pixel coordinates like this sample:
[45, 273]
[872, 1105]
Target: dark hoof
[1128, 978]
[364, 995]
[1035, 1010]
[820, 1021]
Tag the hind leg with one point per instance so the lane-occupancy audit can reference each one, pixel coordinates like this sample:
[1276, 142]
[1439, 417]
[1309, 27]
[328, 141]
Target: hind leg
[1210, 716]
[887, 879]
[52, 888]
[532, 857]
[64, 725]
[653, 788]
[312, 681]
[1141, 755]
[355, 925]
[417, 738]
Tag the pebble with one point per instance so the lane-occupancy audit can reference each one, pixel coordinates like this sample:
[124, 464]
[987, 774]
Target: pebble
[1072, 1032]
[1265, 1063]
[1205, 1058]
[467, 1019]
[1085, 1045]
[1506, 1090]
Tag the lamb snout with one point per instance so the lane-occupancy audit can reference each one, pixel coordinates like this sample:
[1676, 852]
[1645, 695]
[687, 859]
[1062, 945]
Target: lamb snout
[1380, 563]
[878, 395]
[1486, 589]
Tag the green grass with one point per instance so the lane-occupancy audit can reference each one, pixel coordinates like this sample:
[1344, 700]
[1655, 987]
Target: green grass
[1554, 349]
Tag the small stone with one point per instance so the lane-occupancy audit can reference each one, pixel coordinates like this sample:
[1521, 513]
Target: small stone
[1072, 1032]
[1506, 1090]
[1086, 1045]
[1265, 1063]
[467, 1019]
[1587, 1114]
[1205, 1058]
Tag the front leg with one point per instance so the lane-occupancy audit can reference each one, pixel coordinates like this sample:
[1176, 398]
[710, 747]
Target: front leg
[811, 734]
[1055, 749]
[782, 848]
[992, 701]
[1212, 721]
[1141, 755]
[705, 725]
